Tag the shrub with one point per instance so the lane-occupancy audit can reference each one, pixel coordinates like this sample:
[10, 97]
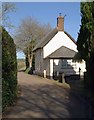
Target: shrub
[27, 70]
[9, 70]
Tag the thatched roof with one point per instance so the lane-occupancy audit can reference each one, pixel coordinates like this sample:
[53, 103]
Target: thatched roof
[48, 37]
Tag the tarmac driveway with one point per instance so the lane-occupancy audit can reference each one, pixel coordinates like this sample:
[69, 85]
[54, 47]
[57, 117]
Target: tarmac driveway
[44, 98]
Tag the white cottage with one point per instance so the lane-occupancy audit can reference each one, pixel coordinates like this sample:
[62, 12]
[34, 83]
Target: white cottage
[54, 54]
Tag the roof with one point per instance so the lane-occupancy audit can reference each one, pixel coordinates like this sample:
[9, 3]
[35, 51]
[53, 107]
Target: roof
[63, 52]
[70, 37]
[48, 37]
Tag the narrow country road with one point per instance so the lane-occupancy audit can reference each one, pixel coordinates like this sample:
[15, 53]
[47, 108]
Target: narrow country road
[44, 98]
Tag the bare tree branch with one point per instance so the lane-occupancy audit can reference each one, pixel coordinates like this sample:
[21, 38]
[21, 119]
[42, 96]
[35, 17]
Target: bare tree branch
[28, 34]
[5, 9]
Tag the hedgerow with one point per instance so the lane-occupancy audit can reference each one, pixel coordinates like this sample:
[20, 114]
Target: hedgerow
[9, 70]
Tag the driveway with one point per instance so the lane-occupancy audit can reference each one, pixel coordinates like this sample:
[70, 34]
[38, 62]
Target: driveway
[44, 98]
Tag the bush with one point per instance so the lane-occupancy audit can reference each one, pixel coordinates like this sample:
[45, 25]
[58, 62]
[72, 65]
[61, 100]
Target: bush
[29, 70]
[9, 70]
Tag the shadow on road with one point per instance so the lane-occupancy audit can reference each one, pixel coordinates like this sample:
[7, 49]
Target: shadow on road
[49, 101]
[77, 89]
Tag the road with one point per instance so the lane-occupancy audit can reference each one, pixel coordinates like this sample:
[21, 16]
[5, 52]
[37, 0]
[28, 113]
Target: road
[44, 98]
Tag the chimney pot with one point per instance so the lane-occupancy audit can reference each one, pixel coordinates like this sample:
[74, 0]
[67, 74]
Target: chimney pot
[60, 23]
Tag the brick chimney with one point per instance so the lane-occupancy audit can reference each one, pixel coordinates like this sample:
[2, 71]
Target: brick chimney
[60, 23]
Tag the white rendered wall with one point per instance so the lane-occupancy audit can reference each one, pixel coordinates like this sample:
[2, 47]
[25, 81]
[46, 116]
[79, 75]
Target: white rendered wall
[71, 69]
[82, 66]
[59, 40]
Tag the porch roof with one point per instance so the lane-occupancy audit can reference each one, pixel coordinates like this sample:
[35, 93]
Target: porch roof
[62, 52]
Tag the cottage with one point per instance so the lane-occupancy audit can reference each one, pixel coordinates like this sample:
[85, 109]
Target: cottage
[54, 54]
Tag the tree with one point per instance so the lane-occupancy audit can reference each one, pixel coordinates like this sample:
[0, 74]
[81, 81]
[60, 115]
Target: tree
[5, 9]
[28, 34]
[85, 42]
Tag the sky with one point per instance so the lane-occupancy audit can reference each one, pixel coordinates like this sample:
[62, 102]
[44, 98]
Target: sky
[48, 12]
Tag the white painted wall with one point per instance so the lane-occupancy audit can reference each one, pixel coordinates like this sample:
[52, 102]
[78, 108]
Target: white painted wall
[59, 40]
[70, 67]
[82, 66]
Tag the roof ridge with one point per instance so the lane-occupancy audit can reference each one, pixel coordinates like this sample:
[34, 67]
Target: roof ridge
[48, 37]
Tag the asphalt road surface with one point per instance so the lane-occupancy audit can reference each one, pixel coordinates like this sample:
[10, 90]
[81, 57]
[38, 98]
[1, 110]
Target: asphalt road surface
[44, 98]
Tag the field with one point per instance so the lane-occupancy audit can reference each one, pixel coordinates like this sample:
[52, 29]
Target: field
[20, 64]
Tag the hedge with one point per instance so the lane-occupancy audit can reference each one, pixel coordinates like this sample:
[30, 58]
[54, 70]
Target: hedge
[9, 70]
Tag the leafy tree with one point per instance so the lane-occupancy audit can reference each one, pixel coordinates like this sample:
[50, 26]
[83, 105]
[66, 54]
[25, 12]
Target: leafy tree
[85, 42]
